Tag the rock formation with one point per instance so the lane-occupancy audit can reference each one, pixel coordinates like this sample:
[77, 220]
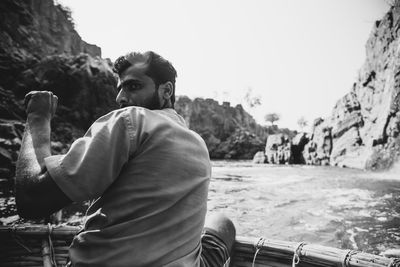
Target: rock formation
[318, 150]
[229, 132]
[40, 50]
[278, 149]
[31, 30]
[363, 130]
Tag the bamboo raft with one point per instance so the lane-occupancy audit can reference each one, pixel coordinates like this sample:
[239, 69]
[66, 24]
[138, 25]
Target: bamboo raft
[47, 245]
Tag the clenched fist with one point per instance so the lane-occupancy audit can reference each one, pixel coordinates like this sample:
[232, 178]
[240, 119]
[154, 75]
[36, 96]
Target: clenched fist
[41, 103]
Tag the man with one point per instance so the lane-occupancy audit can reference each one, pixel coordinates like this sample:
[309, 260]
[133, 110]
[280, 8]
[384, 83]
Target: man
[147, 172]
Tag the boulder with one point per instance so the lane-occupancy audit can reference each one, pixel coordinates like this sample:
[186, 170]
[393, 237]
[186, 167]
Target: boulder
[278, 149]
[259, 157]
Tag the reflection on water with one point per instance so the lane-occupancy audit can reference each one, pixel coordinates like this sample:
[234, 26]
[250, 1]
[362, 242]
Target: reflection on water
[336, 207]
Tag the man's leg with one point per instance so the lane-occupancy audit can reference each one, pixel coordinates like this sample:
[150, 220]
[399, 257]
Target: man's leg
[217, 241]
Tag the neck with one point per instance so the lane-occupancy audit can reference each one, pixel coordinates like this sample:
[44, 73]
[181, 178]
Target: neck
[167, 104]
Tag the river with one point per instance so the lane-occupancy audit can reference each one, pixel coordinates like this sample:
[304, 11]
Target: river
[343, 208]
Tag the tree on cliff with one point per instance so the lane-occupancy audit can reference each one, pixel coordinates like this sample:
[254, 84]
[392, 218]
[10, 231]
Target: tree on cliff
[272, 117]
[302, 122]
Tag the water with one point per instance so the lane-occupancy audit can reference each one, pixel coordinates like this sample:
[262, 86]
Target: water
[336, 207]
[342, 208]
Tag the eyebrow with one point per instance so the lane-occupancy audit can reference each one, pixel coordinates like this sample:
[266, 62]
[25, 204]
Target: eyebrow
[127, 82]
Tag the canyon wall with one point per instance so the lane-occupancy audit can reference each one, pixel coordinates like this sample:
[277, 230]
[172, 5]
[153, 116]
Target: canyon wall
[363, 129]
[40, 50]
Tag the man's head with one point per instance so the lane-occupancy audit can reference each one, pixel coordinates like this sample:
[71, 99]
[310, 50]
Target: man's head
[145, 80]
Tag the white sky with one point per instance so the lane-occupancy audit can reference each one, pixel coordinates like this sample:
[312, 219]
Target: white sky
[300, 56]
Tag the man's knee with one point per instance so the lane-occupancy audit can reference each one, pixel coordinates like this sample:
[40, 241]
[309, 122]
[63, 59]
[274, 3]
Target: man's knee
[223, 227]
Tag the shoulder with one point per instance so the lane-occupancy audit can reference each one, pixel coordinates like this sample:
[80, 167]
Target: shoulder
[138, 117]
[124, 116]
[140, 114]
[115, 114]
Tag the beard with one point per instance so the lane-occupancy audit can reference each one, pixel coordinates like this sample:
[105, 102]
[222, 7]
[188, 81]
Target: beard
[153, 102]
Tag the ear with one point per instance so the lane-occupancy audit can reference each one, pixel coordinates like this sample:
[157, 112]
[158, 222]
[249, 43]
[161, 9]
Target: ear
[166, 90]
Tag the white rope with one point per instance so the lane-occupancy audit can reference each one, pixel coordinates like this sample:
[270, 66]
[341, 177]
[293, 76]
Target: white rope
[259, 245]
[296, 254]
[52, 253]
[347, 257]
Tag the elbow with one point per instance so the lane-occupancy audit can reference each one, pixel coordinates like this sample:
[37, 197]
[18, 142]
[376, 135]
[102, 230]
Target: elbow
[26, 209]
[37, 200]
[26, 201]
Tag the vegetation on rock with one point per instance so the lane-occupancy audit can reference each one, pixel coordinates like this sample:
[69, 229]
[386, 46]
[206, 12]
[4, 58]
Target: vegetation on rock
[272, 117]
[229, 132]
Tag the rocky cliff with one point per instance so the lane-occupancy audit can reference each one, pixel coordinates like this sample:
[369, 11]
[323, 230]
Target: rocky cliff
[363, 130]
[31, 30]
[40, 50]
[229, 132]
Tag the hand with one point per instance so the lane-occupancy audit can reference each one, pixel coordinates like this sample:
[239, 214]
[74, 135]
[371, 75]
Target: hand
[41, 103]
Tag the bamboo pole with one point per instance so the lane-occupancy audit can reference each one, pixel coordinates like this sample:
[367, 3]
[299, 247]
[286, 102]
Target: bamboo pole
[46, 253]
[275, 253]
[62, 231]
[280, 253]
[22, 263]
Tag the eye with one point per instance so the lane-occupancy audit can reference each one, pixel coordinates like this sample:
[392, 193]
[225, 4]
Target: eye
[133, 86]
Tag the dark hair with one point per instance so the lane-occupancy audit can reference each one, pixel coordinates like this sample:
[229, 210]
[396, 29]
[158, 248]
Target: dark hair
[159, 69]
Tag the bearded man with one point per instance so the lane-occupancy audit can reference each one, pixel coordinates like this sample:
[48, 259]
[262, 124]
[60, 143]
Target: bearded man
[147, 172]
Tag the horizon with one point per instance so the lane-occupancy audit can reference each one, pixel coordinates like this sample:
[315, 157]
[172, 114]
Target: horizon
[300, 57]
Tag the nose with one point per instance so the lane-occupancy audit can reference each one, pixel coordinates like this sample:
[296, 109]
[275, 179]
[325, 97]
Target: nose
[121, 98]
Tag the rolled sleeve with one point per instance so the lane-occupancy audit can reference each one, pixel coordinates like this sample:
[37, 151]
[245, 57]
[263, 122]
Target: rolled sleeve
[95, 160]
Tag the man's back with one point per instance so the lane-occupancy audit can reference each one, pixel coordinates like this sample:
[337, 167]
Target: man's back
[153, 213]
[148, 173]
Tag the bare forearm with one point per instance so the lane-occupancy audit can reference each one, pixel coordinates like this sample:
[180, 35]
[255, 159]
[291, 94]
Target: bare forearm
[35, 148]
[37, 195]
